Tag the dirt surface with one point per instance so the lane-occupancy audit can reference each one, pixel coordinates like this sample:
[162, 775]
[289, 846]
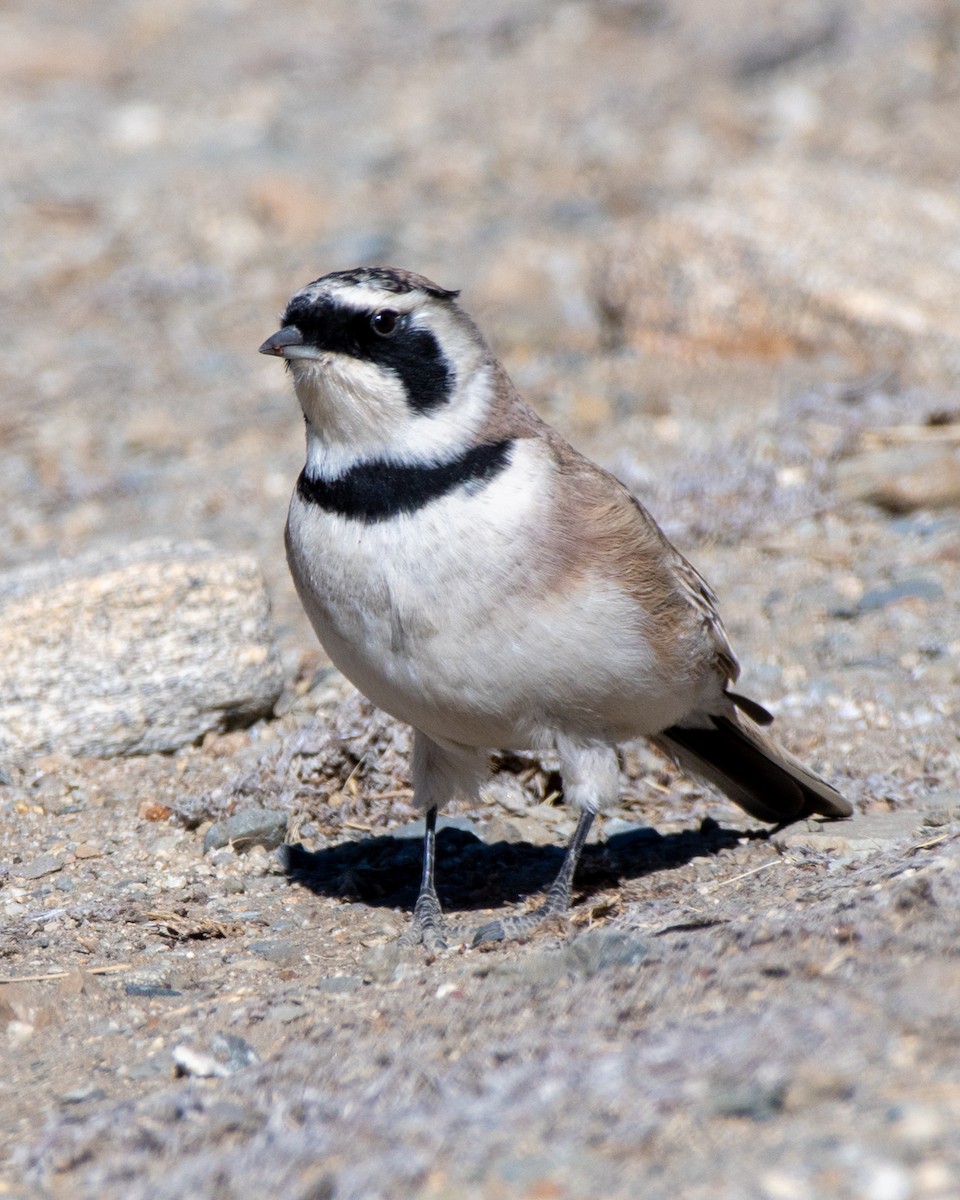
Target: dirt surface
[187, 1009]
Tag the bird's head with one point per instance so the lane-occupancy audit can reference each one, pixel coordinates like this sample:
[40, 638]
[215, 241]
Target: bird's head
[385, 364]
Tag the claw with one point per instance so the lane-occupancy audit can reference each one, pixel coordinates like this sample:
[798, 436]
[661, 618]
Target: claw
[492, 931]
[509, 929]
[427, 926]
[557, 903]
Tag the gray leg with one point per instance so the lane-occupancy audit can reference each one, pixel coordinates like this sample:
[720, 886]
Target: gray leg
[427, 925]
[591, 781]
[557, 903]
[439, 773]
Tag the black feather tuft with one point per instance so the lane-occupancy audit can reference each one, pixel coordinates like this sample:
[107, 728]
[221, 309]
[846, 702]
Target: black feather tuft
[377, 491]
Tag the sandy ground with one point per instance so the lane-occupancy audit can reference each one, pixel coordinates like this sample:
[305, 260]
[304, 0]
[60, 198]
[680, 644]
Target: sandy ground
[730, 1012]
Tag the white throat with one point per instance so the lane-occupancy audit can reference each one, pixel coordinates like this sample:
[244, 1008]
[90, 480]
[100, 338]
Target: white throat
[361, 414]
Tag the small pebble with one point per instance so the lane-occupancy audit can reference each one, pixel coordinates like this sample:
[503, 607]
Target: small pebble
[753, 1100]
[338, 984]
[582, 957]
[45, 864]
[386, 963]
[278, 950]
[228, 1053]
[285, 1013]
[83, 1093]
[249, 827]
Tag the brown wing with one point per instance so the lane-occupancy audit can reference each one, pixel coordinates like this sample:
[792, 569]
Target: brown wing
[596, 507]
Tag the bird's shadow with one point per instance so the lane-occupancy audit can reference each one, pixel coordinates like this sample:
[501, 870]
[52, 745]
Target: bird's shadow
[384, 871]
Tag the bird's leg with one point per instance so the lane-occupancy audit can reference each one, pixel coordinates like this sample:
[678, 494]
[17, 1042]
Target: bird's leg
[439, 773]
[427, 924]
[557, 903]
[591, 781]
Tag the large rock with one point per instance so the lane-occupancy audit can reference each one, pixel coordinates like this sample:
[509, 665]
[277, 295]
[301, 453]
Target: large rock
[142, 650]
[905, 477]
[789, 258]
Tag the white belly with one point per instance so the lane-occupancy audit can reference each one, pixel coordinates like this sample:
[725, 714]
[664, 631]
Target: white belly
[446, 619]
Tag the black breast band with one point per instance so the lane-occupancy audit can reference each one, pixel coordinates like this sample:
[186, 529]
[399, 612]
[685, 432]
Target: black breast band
[377, 491]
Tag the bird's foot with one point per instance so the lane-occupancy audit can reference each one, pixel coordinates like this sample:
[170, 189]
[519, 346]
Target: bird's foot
[556, 905]
[510, 929]
[428, 927]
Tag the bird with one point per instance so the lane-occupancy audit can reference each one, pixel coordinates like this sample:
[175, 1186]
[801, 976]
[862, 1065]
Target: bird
[476, 577]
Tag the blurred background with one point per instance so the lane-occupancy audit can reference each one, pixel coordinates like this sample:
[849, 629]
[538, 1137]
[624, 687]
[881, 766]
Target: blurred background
[715, 243]
[718, 245]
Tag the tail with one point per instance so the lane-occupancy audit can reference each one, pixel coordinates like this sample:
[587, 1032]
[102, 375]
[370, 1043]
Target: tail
[763, 778]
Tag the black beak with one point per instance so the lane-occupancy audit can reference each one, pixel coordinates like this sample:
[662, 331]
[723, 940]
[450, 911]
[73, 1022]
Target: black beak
[282, 340]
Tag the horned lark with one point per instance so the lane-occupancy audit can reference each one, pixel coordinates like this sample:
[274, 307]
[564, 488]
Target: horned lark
[476, 577]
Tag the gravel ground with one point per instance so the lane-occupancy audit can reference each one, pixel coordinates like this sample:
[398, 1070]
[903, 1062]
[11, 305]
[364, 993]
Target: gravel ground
[188, 1010]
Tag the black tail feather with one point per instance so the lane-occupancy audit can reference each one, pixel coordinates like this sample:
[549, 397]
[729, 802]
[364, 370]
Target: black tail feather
[752, 770]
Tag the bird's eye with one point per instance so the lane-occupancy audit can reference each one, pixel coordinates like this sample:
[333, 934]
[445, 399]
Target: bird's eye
[385, 322]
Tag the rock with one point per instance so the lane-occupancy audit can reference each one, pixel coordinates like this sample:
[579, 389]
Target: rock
[45, 864]
[248, 827]
[84, 1094]
[51, 794]
[133, 652]
[285, 1014]
[859, 836]
[228, 1053]
[754, 1100]
[278, 950]
[413, 830]
[600, 949]
[582, 957]
[901, 479]
[908, 589]
[388, 962]
[878, 598]
[338, 984]
[792, 258]
[498, 830]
